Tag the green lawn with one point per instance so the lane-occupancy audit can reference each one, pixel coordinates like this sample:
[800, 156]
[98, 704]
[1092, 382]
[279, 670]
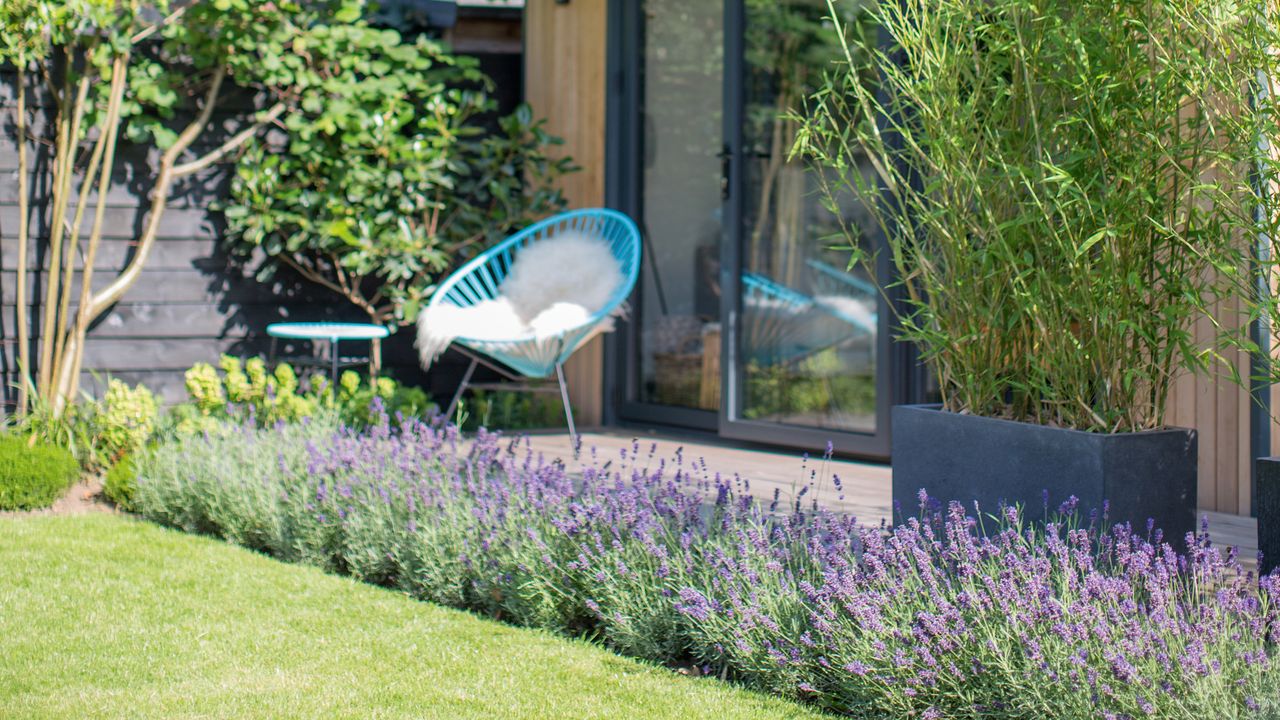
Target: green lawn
[103, 616]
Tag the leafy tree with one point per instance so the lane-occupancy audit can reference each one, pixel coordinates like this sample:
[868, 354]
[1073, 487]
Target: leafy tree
[389, 176]
[155, 73]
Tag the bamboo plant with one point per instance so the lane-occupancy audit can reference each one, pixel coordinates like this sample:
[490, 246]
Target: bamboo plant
[1076, 194]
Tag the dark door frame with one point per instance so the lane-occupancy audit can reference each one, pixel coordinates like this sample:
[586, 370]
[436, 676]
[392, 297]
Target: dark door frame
[899, 376]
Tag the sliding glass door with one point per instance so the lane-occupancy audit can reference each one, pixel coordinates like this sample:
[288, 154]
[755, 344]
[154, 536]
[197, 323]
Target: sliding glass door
[681, 127]
[748, 321]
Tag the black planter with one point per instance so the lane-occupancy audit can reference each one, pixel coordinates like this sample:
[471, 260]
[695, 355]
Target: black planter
[967, 458]
[1268, 504]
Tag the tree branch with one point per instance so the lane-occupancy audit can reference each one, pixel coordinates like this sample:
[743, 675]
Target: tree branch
[153, 29]
[106, 297]
[192, 131]
[232, 143]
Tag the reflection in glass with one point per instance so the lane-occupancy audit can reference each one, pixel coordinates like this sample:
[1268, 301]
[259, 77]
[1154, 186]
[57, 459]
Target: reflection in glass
[682, 111]
[808, 324]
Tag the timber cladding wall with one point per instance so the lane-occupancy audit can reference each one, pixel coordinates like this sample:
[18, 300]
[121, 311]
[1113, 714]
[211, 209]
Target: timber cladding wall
[564, 50]
[191, 302]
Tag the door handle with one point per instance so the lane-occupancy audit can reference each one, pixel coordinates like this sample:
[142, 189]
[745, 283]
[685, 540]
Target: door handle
[726, 167]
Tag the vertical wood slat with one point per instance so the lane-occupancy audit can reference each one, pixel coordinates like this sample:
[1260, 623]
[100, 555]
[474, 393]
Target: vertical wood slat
[565, 83]
[1219, 410]
[1227, 477]
[1204, 392]
[1244, 447]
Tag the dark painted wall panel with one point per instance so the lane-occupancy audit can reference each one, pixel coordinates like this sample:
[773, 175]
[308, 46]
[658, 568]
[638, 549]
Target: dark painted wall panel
[191, 302]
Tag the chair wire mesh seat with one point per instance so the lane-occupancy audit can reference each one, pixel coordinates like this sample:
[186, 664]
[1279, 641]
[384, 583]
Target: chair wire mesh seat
[529, 356]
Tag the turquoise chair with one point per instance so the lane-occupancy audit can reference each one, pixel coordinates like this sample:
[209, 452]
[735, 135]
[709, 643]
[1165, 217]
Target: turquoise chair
[530, 357]
[782, 325]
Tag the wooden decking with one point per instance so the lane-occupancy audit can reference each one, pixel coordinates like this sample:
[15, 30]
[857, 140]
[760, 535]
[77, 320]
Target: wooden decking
[865, 486]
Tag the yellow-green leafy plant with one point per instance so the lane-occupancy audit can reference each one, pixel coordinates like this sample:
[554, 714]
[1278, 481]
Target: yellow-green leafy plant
[247, 390]
[204, 388]
[124, 420]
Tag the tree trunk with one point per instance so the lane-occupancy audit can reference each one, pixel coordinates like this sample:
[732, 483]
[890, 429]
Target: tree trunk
[21, 304]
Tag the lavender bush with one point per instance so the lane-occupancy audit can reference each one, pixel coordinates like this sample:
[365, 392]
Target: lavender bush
[661, 560]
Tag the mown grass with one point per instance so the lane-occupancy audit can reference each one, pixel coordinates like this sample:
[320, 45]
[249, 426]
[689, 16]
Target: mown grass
[108, 617]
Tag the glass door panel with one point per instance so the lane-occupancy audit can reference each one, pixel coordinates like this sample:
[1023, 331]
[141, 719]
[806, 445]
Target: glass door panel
[678, 340]
[746, 322]
[807, 352]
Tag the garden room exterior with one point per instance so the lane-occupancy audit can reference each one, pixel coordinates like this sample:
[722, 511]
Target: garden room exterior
[677, 113]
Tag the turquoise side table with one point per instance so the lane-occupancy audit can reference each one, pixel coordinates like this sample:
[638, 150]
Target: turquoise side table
[331, 332]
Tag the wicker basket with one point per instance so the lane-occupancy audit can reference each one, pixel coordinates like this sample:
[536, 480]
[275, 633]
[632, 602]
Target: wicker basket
[677, 378]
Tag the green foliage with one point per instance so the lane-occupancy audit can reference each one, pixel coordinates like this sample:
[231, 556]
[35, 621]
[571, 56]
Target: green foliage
[260, 45]
[247, 390]
[32, 474]
[69, 429]
[355, 400]
[123, 420]
[120, 482]
[388, 178]
[1066, 188]
[500, 410]
[815, 387]
[95, 432]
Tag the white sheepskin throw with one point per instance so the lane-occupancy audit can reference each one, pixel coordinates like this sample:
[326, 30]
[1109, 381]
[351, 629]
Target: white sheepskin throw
[858, 311]
[554, 285]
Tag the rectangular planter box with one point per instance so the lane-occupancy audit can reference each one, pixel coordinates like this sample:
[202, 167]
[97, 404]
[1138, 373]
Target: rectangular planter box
[1268, 505]
[967, 458]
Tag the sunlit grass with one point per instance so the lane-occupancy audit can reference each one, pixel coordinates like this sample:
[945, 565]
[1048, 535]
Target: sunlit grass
[103, 616]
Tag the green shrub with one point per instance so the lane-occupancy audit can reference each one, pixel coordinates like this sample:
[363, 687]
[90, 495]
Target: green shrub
[123, 420]
[120, 482]
[1063, 188]
[33, 477]
[246, 389]
[355, 399]
[390, 176]
[96, 432]
[500, 410]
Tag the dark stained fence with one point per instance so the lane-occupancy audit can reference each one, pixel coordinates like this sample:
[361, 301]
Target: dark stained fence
[191, 302]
